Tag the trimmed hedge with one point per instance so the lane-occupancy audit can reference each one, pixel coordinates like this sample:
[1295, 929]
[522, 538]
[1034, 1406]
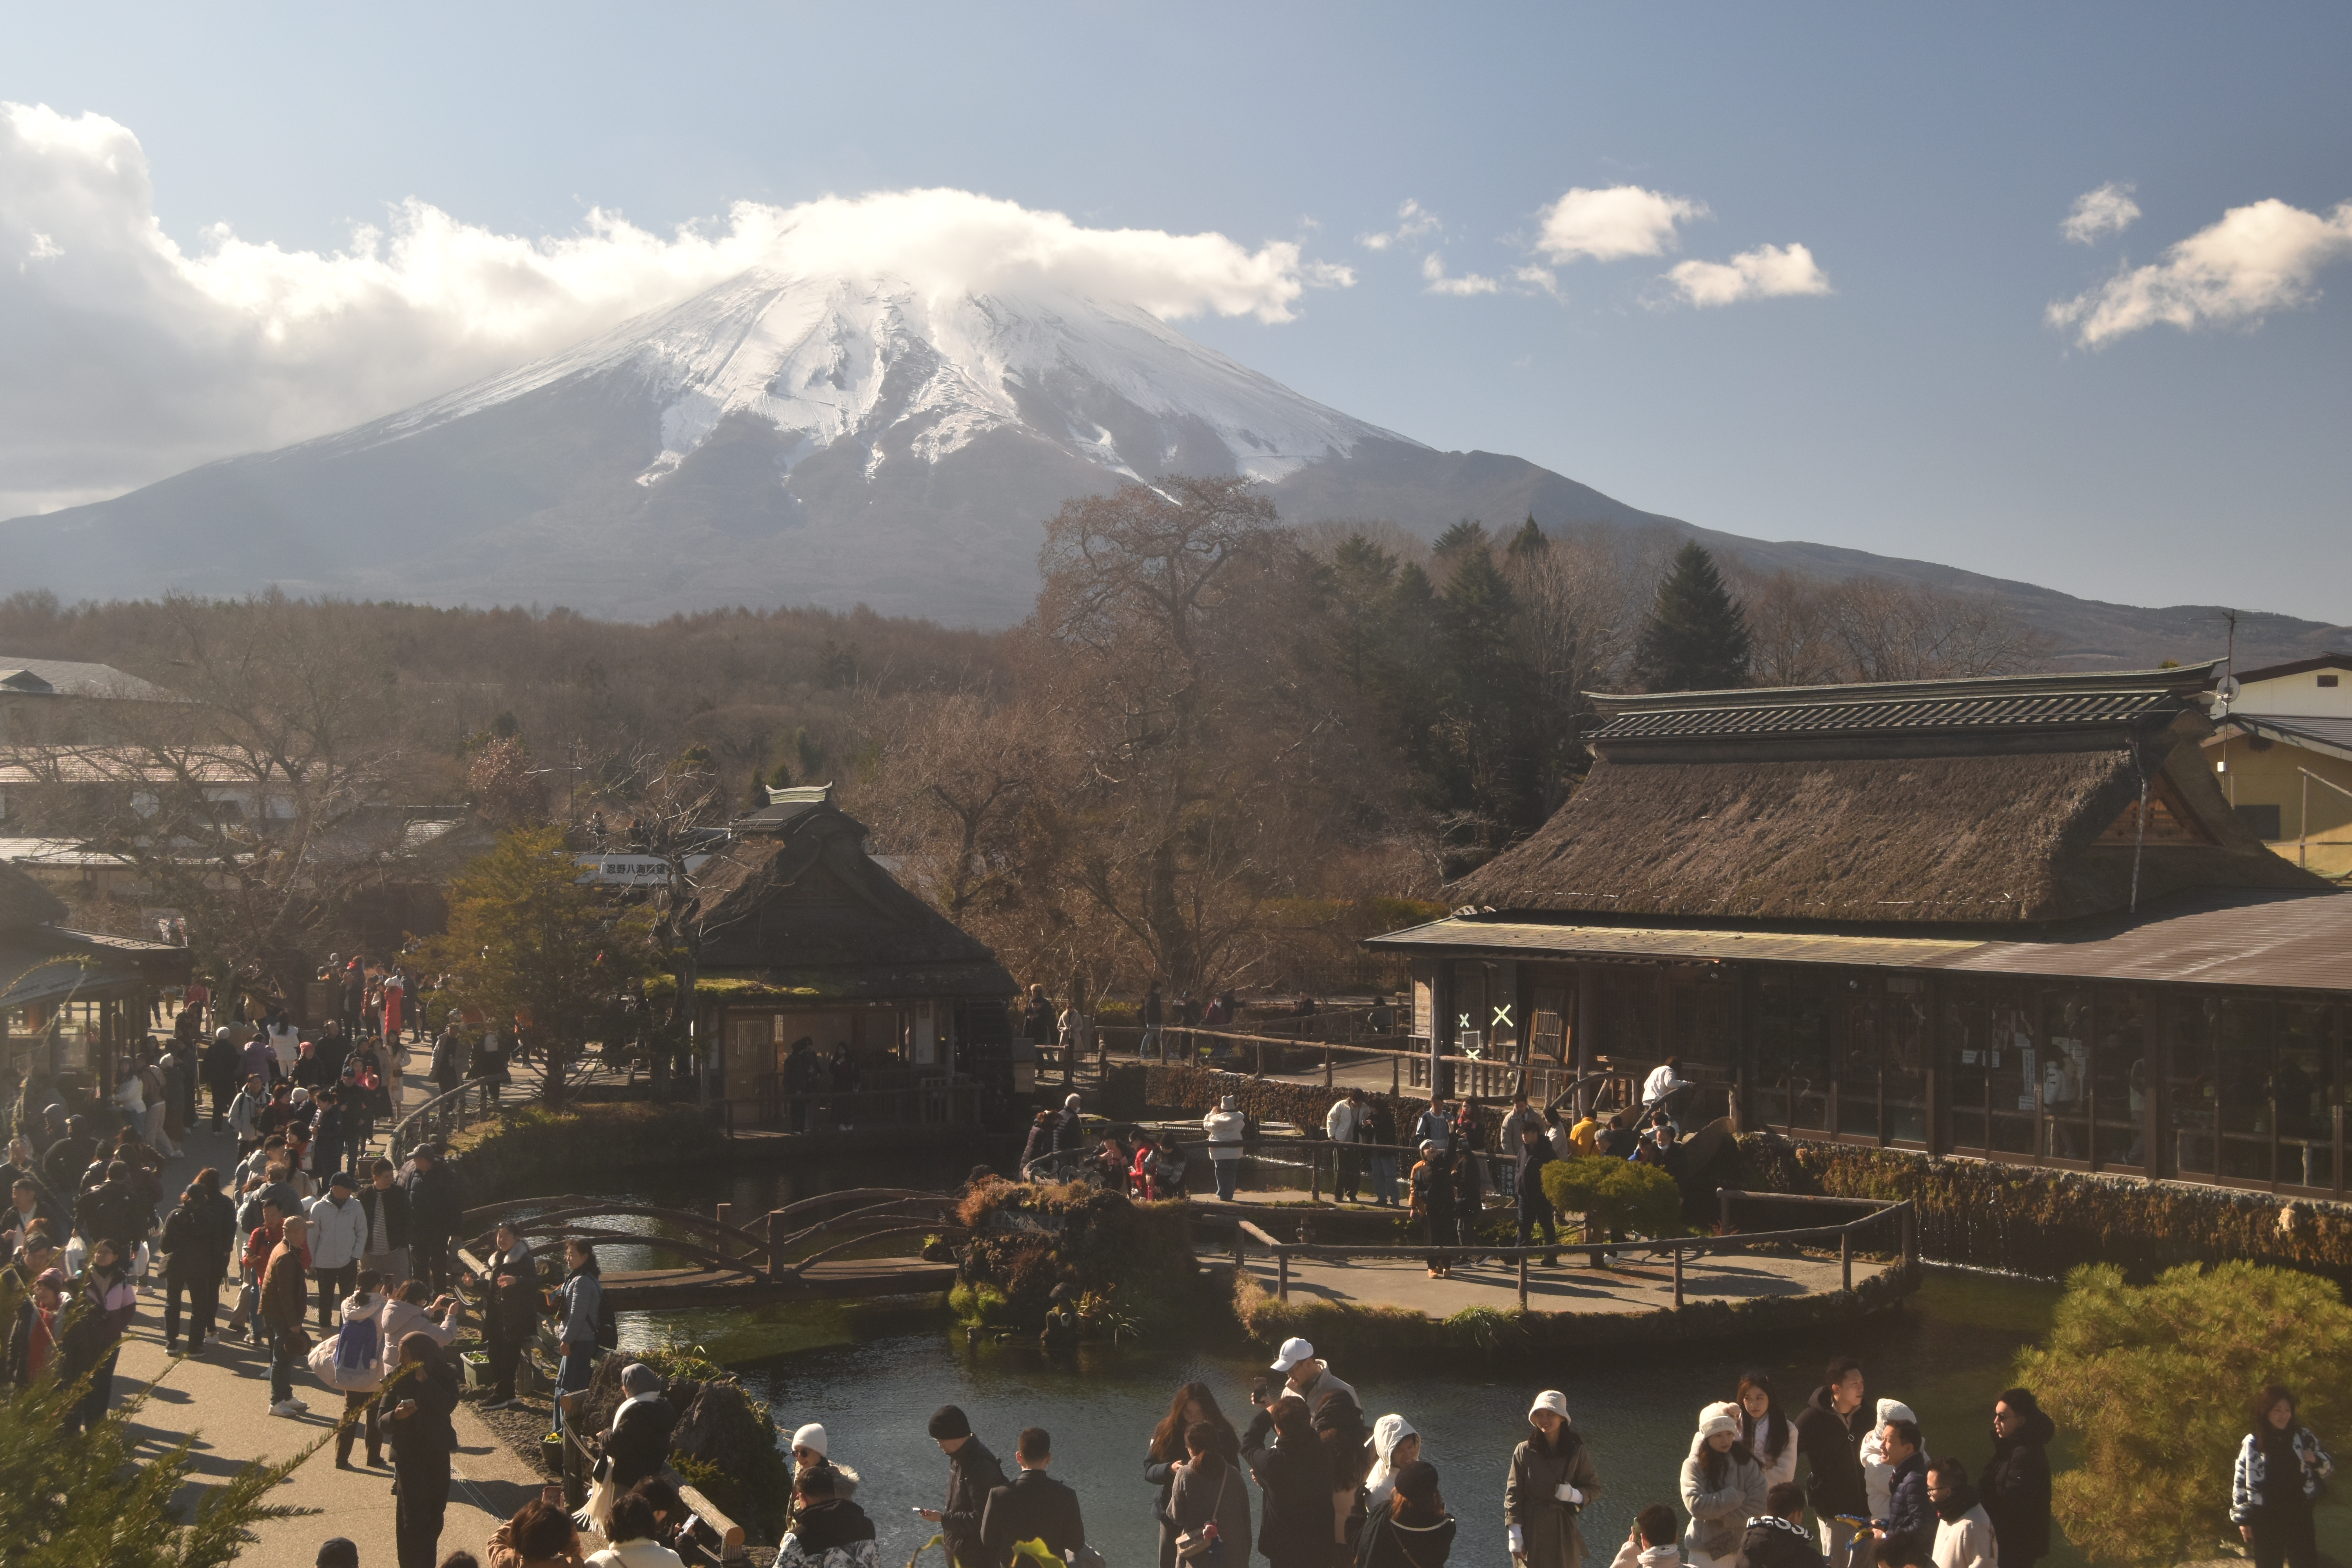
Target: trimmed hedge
[2043, 1223]
[1178, 1086]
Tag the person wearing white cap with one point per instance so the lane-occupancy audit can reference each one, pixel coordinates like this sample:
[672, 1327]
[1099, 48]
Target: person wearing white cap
[1224, 1127]
[1552, 1478]
[1308, 1377]
[1723, 1489]
[1877, 1474]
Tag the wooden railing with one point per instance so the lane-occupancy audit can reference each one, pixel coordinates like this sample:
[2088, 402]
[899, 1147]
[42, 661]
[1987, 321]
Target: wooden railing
[710, 1536]
[1679, 1248]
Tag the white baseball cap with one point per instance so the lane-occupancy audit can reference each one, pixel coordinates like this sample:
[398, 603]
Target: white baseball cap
[1293, 1352]
[1550, 1399]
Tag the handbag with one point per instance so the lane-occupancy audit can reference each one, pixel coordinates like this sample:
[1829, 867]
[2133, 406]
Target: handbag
[1194, 1545]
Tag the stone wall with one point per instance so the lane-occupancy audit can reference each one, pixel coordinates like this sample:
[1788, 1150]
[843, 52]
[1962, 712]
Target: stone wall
[2046, 1222]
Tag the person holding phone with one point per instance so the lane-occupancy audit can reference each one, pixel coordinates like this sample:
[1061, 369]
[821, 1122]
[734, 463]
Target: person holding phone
[422, 1394]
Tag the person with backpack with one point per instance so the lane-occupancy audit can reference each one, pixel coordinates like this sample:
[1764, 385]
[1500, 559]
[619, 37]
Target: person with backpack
[353, 1363]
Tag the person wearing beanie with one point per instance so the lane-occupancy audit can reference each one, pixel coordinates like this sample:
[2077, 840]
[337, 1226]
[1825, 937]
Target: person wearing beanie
[1651, 1543]
[1412, 1528]
[813, 1450]
[1723, 1489]
[973, 1474]
[1552, 1477]
[1878, 1472]
[1778, 1537]
[1964, 1536]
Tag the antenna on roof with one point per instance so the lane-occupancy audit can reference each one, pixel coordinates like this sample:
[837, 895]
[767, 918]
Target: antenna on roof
[2227, 687]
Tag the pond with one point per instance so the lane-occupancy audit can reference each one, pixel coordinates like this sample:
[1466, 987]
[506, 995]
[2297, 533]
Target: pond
[873, 1374]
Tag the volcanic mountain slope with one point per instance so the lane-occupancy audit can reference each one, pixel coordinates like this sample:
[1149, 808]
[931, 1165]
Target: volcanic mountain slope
[794, 439]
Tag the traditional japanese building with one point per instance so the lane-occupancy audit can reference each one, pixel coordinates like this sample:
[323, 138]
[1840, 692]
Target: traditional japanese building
[2014, 918]
[804, 937]
[71, 1002]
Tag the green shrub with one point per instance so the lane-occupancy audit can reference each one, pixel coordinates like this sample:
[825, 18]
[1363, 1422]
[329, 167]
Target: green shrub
[1620, 1195]
[2155, 1384]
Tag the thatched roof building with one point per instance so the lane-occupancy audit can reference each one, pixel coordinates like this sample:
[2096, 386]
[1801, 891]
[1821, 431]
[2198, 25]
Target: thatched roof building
[1947, 801]
[70, 1001]
[2013, 919]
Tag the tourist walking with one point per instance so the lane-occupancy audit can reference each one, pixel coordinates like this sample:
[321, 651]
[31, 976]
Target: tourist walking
[973, 1474]
[102, 1305]
[351, 1364]
[1394, 1446]
[581, 1301]
[1224, 1127]
[1339, 1127]
[1906, 1530]
[422, 1392]
[1207, 1507]
[2014, 1487]
[1154, 1018]
[435, 1213]
[1432, 1184]
[195, 1256]
[33, 1337]
[1652, 1543]
[1723, 1489]
[1378, 1128]
[338, 1238]
[386, 1203]
[1964, 1536]
[1830, 1430]
[511, 1310]
[1535, 1207]
[1294, 1472]
[2281, 1466]
[1413, 1529]
[1033, 1506]
[285, 1302]
[1551, 1480]
[1194, 1406]
[1766, 1429]
[1469, 1190]
[1778, 1537]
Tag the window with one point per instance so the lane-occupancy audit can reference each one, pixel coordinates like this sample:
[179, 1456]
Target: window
[2326, 681]
[2261, 821]
[1792, 1067]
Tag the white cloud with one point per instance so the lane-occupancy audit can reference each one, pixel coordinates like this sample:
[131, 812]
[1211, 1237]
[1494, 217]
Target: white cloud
[1607, 225]
[1414, 222]
[2107, 210]
[130, 358]
[1767, 272]
[1542, 277]
[1433, 268]
[2259, 258]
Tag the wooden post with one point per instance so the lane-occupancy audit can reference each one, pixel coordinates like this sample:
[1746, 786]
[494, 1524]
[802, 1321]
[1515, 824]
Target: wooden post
[776, 1233]
[1723, 1209]
[1396, 1067]
[1910, 1234]
[1678, 1278]
[1327, 1061]
[1282, 1274]
[1314, 1176]
[723, 1211]
[1523, 1281]
[1846, 1256]
[1261, 1059]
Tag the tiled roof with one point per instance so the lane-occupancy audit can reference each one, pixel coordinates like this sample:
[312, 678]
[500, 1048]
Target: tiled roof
[2004, 711]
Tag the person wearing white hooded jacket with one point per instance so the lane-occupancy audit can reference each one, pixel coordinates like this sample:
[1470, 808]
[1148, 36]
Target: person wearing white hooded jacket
[1877, 1474]
[1395, 1445]
[1722, 1488]
[1224, 1127]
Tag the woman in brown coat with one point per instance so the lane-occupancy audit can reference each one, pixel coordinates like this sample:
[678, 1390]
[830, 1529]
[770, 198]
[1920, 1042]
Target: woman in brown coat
[1552, 1478]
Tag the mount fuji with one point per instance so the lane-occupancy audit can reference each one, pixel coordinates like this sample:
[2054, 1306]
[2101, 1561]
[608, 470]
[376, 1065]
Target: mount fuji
[827, 438]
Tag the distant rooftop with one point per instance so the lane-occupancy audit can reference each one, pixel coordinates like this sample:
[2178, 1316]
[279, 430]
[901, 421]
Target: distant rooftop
[64, 677]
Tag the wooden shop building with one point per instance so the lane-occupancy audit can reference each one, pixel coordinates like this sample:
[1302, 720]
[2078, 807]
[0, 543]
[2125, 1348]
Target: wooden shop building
[2011, 918]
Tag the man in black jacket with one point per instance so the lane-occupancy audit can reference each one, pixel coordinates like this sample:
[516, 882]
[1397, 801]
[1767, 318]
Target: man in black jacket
[435, 1213]
[1035, 1507]
[386, 1203]
[113, 1211]
[64, 1160]
[2015, 1485]
[1907, 1534]
[973, 1474]
[1830, 1430]
[638, 1444]
[1777, 1538]
[511, 1310]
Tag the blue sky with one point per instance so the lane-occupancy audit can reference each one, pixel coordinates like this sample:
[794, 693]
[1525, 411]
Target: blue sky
[1926, 406]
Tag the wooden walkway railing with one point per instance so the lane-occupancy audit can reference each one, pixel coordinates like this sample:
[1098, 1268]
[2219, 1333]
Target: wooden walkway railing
[1679, 1248]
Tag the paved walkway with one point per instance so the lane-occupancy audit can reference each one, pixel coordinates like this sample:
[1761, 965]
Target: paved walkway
[223, 1396]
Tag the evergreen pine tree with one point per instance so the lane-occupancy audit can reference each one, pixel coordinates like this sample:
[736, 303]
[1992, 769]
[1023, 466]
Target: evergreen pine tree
[1696, 637]
[757, 796]
[1529, 542]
